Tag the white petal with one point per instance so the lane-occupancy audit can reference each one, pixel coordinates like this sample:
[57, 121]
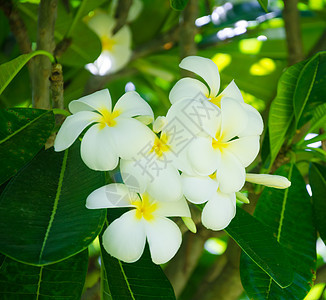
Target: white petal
[197, 117]
[206, 69]
[255, 123]
[125, 238]
[232, 91]
[159, 124]
[97, 149]
[110, 196]
[131, 104]
[219, 211]
[188, 88]
[177, 208]
[131, 137]
[198, 189]
[120, 56]
[230, 173]
[234, 118]
[96, 101]
[245, 149]
[274, 181]
[202, 157]
[164, 238]
[132, 175]
[123, 37]
[102, 24]
[165, 183]
[72, 127]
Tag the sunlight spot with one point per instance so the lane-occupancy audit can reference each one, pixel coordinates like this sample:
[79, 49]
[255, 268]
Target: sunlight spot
[263, 67]
[215, 246]
[250, 46]
[310, 136]
[202, 21]
[222, 60]
[308, 188]
[262, 38]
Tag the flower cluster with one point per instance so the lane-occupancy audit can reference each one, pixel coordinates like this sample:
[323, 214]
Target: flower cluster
[197, 152]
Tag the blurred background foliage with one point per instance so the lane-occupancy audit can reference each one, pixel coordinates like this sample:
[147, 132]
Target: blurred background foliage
[247, 43]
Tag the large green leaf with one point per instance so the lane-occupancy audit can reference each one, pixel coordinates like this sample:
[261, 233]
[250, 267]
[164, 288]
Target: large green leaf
[281, 112]
[9, 69]
[311, 88]
[141, 280]
[289, 214]
[63, 280]
[317, 180]
[42, 209]
[319, 118]
[258, 242]
[179, 4]
[23, 132]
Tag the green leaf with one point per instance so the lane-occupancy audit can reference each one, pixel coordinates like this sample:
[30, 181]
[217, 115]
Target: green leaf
[311, 87]
[178, 4]
[263, 4]
[258, 242]
[42, 209]
[9, 69]
[140, 280]
[289, 215]
[63, 280]
[23, 132]
[281, 112]
[319, 118]
[317, 180]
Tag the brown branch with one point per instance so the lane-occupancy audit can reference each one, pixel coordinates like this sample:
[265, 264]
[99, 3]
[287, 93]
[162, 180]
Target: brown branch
[293, 33]
[45, 41]
[321, 275]
[121, 14]
[187, 32]
[183, 264]
[17, 26]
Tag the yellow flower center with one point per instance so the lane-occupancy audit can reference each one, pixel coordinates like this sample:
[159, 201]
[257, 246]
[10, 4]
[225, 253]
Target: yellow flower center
[108, 118]
[107, 43]
[216, 100]
[218, 144]
[160, 145]
[144, 208]
[212, 176]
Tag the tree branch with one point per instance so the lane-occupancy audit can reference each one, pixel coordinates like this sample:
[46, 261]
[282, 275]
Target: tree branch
[293, 33]
[188, 31]
[121, 14]
[45, 41]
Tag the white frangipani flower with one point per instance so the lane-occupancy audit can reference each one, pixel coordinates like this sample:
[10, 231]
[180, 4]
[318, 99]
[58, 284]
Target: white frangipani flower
[116, 49]
[154, 169]
[220, 208]
[225, 151]
[275, 181]
[126, 236]
[189, 89]
[113, 134]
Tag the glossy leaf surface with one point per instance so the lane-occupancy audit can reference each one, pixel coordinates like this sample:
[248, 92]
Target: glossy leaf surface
[289, 214]
[23, 132]
[42, 209]
[63, 280]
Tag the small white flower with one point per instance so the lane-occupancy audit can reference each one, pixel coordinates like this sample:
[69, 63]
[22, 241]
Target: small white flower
[113, 134]
[126, 236]
[220, 208]
[189, 89]
[275, 181]
[116, 49]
